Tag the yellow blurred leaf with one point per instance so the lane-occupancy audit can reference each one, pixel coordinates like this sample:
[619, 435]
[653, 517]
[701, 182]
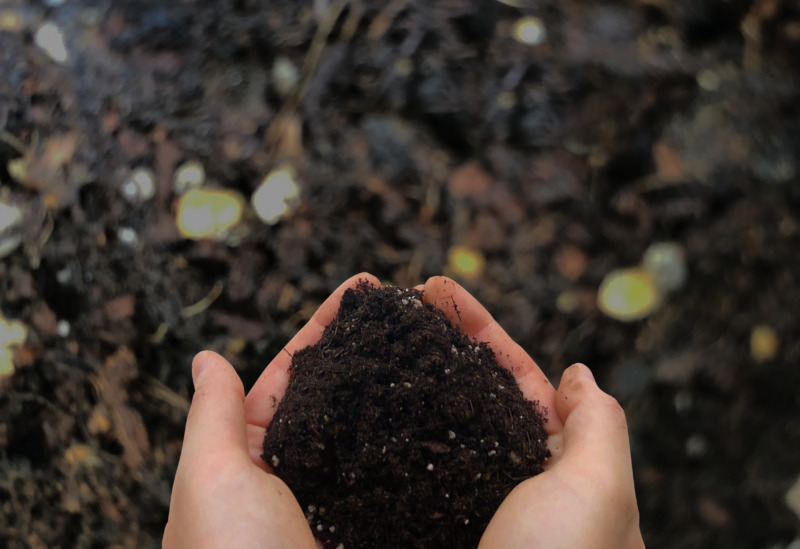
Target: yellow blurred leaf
[465, 262]
[628, 294]
[763, 343]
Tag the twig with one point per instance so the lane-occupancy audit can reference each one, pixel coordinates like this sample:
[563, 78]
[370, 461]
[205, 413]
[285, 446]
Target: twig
[48, 232]
[160, 391]
[158, 335]
[15, 142]
[516, 3]
[278, 127]
[353, 19]
[384, 19]
[204, 303]
[313, 57]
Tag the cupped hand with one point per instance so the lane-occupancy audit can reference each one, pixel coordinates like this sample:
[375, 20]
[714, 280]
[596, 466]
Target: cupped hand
[585, 497]
[225, 495]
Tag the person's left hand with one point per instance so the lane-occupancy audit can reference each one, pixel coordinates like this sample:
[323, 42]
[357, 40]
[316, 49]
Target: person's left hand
[224, 494]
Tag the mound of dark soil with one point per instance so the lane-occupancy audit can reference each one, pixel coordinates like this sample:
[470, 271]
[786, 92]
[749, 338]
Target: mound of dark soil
[397, 430]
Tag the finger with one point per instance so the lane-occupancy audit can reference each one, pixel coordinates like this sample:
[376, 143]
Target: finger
[255, 443]
[463, 310]
[216, 417]
[262, 400]
[595, 441]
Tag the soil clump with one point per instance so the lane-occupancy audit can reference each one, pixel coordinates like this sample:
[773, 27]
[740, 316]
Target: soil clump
[398, 430]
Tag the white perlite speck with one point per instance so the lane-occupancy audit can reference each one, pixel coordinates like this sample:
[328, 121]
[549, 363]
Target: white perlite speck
[127, 236]
[430, 467]
[277, 461]
[63, 328]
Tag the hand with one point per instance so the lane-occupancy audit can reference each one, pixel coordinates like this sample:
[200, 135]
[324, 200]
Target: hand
[224, 494]
[223, 497]
[585, 497]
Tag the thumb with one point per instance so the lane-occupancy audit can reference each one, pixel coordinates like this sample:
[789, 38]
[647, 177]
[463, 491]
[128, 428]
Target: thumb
[595, 430]
[216, 418]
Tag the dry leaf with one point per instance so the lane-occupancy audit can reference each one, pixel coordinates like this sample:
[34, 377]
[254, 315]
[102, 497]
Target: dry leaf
[111, 383]
[41, 168]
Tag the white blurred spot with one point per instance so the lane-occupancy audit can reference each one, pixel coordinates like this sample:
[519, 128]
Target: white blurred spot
[530, 31]
[51, 41]
[284, 75]
[63, 328]
[9, 216]
[189, 175]
[709, 80]
[140, 186]
[127, 236]
[696, 446]
[276, 196]
[666, 263]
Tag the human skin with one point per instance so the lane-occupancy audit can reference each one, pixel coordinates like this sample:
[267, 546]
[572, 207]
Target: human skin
[226, 496]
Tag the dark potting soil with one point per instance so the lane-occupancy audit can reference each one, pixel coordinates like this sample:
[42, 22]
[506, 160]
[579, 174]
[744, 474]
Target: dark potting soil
[398, 430]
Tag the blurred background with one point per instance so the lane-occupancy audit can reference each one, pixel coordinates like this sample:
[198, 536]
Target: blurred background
[617, 181]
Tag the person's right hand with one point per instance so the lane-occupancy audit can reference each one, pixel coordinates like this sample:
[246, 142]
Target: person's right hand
[585, 498]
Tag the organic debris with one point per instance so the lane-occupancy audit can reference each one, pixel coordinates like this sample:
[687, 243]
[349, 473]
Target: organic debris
[111, 383]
